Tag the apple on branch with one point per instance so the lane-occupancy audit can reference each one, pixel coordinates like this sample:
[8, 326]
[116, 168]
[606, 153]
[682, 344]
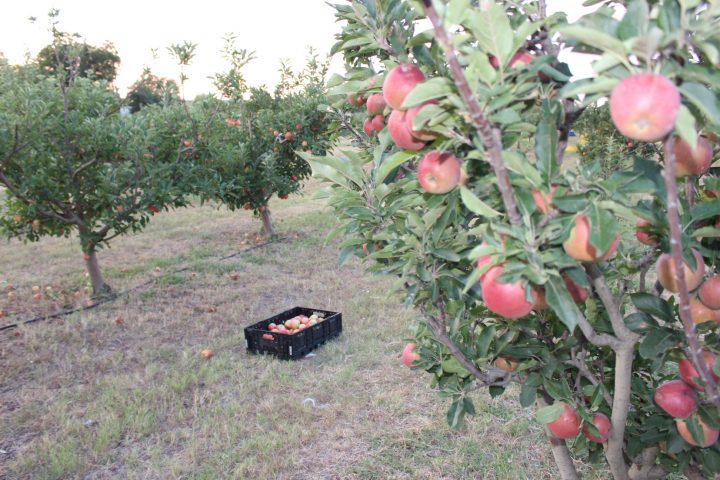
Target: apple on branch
[439, 172]
[567, 425]
[644, 106]
[399, 82]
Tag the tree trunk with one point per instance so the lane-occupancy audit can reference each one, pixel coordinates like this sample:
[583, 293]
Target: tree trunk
[621, 406]
[99, 286]
[267, 223]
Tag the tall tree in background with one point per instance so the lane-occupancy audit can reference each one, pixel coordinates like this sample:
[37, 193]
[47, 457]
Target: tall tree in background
[151, 89]
[90, 61]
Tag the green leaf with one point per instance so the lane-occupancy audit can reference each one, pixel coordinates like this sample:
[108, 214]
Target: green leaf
[546, 141]
[452, 365]
[705, 210]
[456, 414]
[603, 228]
[703, 99]
[431, 89]
[596, 39]
[475, 205]
[446, 254]
[635, 21]
[549, 414]
[685, 126]
[695, 429]
[493, 31]
[484, 340]
[528, 394]
[561, 302]
[589, 87]
[639, 322]
[518, 163]
[652, 305]
[657, 343]
[390, 164]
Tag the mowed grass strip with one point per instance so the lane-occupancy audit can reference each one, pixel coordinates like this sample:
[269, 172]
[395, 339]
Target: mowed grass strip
[122, 391]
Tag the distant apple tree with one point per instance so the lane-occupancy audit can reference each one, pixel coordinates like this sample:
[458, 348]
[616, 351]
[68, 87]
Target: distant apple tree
[70, 162]
[253, 137]
[524, 268]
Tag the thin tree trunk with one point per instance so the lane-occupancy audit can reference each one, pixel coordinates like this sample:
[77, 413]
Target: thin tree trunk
[267, 223]
[621, 406]
[99, 286]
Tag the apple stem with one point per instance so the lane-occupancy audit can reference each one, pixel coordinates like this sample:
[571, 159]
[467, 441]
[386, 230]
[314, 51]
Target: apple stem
[694, 346]
[490, 136]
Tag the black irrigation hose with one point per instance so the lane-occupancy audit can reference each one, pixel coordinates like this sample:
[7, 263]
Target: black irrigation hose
[115, 296]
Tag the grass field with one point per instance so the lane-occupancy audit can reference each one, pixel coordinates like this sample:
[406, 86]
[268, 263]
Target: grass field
[122, 391]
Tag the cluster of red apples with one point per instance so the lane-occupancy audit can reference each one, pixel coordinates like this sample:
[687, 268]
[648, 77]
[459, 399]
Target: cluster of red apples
[438, 171]
[678, 398]
[296, 324]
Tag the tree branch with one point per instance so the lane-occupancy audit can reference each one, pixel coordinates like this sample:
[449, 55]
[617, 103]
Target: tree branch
[490, 136]
[694, 345]
[612, 307]
[494, 376]
[588, 375]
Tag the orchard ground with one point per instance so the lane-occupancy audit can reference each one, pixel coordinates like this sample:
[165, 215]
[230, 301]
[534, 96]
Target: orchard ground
[122, 391]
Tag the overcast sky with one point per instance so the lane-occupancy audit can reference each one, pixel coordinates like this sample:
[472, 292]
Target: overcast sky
[274, 29]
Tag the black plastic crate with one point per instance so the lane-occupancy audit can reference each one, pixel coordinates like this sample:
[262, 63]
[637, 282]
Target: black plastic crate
[297, 345]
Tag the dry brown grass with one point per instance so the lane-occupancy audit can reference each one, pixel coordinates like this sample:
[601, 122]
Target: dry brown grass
[86, 397]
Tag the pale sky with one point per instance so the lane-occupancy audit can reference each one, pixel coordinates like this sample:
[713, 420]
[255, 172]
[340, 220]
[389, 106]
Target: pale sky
[274, 29]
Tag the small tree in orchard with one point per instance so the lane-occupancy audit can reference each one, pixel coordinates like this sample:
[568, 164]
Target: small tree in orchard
[252, 143]
[70, 162]
[525, 270]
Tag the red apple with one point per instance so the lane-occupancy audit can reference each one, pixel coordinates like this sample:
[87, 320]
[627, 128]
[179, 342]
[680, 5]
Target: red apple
[543, 201]
[567, 425]
[355, 100]
[667, 274]
[602, 423]
[207, 354]
[677, 398]
[644, 106]
[410, 117]
[367, 126]
[642, 234]
[507, 363]
[578, 243]
[409, 355]
[700, 313]
[688, 372]
[578, 293]
[692, 161]
[710, 435]
[399, 132]
[438, 172]
[376, 104]
[399, 82]
[709, 292]
[505, 299]
[521, 56]
[376, 123]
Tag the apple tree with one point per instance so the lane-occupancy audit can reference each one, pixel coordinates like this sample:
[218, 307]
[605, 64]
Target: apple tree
[250, 150]
[596, 294]
[70, 162]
